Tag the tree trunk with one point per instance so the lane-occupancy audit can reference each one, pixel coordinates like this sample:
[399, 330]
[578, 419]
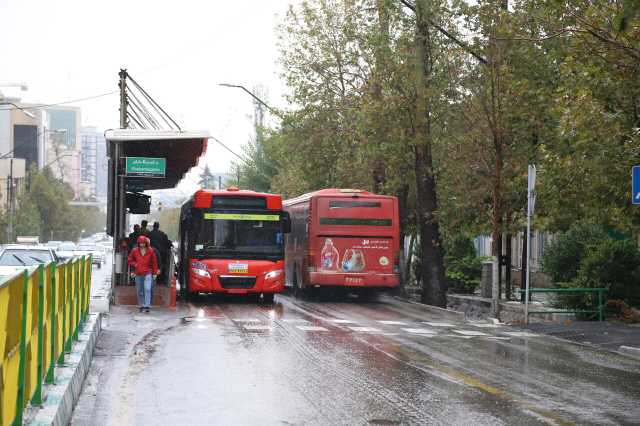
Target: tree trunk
[434, 286]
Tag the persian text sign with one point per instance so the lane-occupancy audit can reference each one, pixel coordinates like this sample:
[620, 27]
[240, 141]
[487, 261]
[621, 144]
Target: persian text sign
[146, 167]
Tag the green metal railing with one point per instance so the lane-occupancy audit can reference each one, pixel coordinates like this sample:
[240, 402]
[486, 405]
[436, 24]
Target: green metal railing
[42, 311]
[599, 310]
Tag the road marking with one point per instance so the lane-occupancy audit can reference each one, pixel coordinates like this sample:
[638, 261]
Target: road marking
[392, 322]
[342, 321]
[438, 324]
[252, 327]
[366, 329]
[296, 320]
[424, 331]
[498, 338]
[311, 328]
[484, 325]
[245, 320]
[520, 334]
[470, 333]
[455, 335]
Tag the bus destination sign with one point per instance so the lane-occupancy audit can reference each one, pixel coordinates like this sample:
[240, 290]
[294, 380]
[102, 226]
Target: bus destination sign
[146, 167]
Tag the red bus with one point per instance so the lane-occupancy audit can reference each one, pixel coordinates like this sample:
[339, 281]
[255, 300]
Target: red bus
[232, 241]
[345, 238]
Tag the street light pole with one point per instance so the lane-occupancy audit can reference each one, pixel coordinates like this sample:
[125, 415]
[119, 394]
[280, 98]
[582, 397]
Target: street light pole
[237, 86]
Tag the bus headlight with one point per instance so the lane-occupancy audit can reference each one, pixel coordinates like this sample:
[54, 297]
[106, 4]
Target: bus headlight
[201, 273]
[274, 274]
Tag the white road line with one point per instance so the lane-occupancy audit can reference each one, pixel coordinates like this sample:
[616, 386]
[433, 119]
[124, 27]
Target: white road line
[257, 327]
[366, 329]
[470, 333]
[497, 338]
[245, 320]
[438, 324]
[392, 322]
[296, 320]
[484, 325]
[424, 331]
[342, 321]
[520, 334]
[311, 328]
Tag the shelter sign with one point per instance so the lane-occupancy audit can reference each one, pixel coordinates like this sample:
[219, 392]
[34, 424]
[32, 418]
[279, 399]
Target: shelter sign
[145, 167]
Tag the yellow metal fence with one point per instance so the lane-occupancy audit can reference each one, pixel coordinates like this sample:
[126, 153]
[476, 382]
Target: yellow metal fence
[42, 311]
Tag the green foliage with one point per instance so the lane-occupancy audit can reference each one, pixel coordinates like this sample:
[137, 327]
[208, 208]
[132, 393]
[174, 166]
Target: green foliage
[563, 256]
[463, 275]
[614, 265]
[463, 267]
[43, 209]
[588, 257]
[28, 220]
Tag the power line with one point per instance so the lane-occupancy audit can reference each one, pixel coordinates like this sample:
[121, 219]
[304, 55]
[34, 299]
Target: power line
[62, 103]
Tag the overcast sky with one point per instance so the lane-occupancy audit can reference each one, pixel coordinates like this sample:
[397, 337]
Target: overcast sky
[177, 50]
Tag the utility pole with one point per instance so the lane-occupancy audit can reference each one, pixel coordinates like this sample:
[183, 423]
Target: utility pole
[123, 99]
[219, 182]
[119, 196]
[11, 204]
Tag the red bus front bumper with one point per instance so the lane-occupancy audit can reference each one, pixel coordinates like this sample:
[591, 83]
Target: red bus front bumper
[213, 285]
[212, 276]
[353, 279]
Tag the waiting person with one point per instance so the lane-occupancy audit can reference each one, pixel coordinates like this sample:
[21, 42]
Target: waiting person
[145, 264]
[133, 237]
[160, 241]
[143, 228]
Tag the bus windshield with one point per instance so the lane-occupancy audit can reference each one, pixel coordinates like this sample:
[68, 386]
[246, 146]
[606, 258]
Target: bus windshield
[225, 235]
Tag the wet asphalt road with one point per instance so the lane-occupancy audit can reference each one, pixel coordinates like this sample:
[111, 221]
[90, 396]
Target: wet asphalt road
[231, 362]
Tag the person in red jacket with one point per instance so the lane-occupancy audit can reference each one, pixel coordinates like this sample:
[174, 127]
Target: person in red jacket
[144, 262]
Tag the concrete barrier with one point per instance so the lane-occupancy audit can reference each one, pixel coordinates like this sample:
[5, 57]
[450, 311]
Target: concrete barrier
[60, 398]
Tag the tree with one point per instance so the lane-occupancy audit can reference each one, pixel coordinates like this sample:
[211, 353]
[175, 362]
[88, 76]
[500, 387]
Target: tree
[207, 179]
[28, 219]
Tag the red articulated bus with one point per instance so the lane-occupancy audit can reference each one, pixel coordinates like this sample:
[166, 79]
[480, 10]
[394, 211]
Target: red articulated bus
[345, 238]
[232, 241]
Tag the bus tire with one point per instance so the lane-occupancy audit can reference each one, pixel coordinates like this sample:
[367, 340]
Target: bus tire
[268, 298]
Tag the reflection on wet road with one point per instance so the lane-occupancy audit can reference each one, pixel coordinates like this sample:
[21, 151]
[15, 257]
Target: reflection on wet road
[324, 363]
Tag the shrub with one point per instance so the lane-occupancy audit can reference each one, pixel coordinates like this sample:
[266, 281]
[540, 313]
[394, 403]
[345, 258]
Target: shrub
[563, 256]
[614, 265]
[463, 275]
[463, 267]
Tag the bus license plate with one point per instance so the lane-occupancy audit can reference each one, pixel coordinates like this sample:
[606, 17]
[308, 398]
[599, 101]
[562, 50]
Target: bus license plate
[354, 281]
[239, 268]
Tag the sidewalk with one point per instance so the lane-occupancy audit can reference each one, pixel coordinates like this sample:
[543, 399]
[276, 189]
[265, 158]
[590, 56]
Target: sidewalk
[611, 335]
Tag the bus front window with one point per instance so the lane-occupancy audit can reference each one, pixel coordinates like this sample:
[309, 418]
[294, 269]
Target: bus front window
[239, 235]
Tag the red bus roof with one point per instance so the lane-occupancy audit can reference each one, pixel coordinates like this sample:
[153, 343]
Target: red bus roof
[335, 192]
[202, 198]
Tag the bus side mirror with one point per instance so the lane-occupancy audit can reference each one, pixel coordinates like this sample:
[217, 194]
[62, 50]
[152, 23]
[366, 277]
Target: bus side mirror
[286, 222]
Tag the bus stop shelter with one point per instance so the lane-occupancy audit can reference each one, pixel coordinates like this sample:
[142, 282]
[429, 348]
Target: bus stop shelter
[141, 160]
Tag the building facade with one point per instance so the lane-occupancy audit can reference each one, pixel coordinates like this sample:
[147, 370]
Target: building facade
[93, 163]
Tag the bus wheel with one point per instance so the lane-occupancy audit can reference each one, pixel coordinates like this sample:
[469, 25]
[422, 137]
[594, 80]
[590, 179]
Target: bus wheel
[368, 295]
[268, 298]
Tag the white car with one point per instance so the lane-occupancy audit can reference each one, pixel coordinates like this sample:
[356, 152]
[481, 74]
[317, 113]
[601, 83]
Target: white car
[96, 252]
[65, 251]
[16, 258]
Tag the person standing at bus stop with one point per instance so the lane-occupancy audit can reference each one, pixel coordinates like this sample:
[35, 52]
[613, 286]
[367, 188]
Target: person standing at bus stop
[144, 262]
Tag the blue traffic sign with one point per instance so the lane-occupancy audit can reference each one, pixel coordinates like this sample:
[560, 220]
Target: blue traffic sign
[635, 184]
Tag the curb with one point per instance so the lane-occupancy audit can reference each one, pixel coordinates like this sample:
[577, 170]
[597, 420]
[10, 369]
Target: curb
[60, 398]
[447, 313]
[630, 351]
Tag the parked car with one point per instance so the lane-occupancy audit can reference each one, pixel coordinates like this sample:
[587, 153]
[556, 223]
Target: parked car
[54, 244]
[96, 252]
[16, 258]
[66, 250]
